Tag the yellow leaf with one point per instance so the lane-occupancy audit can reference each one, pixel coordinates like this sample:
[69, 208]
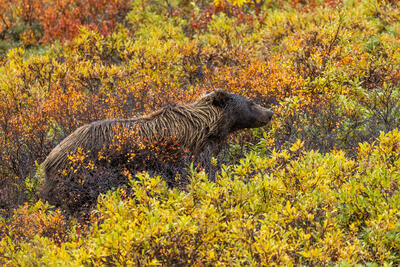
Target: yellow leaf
[296, 146]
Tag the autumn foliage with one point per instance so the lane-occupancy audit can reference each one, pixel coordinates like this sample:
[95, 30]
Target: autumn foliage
[318, 186]
[44, 21]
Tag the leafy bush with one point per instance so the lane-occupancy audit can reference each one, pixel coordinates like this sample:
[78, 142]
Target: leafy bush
[30, 22]
[292, 207]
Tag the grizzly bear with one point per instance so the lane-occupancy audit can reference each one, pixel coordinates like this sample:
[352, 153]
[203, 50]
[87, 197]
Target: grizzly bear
[92, 159]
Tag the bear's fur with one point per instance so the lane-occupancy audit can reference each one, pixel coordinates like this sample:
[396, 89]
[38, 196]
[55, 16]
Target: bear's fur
[92, 159]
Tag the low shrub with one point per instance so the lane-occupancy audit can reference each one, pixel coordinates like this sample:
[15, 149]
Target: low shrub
[292, 207]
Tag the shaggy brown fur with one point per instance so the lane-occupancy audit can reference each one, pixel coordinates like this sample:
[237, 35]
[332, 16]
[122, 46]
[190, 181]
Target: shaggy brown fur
[190, 125]
[134, 143]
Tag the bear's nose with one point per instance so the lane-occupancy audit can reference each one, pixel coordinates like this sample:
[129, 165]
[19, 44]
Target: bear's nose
[270, 113]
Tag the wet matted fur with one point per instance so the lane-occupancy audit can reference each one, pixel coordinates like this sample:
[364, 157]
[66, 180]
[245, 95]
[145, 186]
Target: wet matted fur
[92, 159]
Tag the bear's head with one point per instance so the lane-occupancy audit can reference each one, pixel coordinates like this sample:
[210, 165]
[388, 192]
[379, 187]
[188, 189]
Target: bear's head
[239, 112]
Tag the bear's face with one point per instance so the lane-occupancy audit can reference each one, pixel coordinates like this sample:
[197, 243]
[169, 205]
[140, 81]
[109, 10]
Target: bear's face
[245, 113]
[241, 112]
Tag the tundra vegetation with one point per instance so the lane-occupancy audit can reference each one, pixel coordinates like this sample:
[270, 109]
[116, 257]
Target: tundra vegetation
[318, 186]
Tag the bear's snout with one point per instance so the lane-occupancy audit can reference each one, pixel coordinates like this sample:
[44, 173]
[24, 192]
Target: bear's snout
[264, 116]
[270, 113]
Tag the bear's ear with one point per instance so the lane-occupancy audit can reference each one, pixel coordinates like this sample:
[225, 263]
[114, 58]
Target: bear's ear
[220, 98]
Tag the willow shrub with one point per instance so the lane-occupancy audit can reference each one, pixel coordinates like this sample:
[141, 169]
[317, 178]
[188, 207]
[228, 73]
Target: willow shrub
[292, 207]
